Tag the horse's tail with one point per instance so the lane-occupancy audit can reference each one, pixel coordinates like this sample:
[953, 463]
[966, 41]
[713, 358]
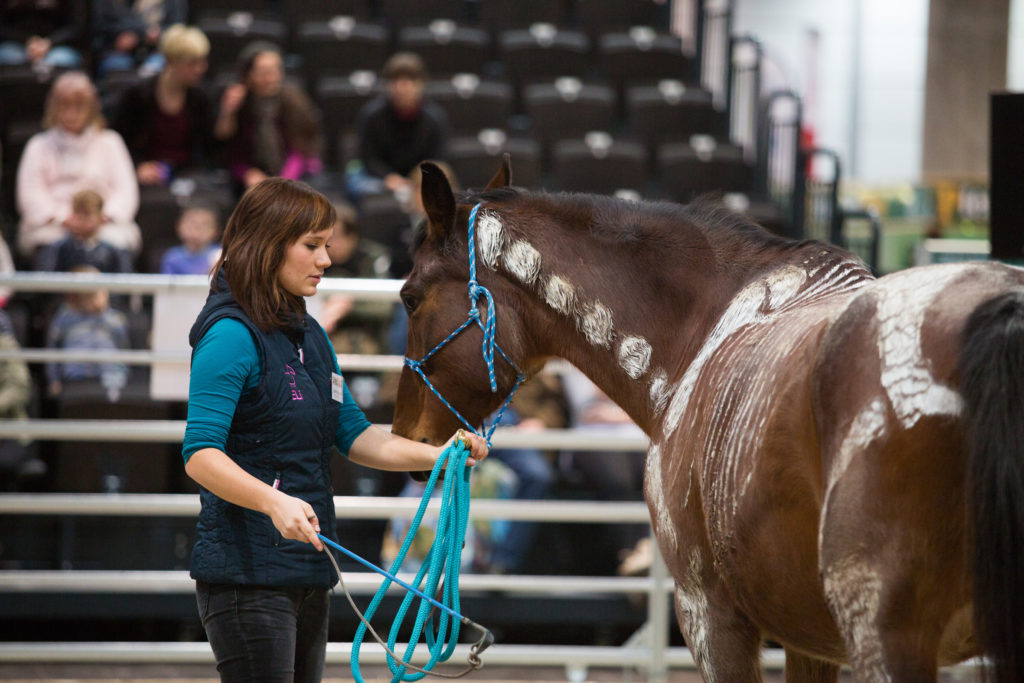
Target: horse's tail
[992, 373]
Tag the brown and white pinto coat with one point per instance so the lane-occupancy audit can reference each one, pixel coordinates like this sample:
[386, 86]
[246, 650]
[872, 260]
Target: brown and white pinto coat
[806, 475]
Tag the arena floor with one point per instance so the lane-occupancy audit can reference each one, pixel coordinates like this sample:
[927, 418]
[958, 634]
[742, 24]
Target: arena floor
[36, 673]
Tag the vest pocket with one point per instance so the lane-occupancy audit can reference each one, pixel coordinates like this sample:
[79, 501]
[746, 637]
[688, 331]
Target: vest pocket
[275, 535]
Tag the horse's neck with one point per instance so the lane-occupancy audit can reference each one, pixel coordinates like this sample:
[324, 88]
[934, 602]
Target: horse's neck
[634, 327]
[623, 320]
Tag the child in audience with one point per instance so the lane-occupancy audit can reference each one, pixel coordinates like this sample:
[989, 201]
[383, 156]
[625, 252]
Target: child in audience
[86, 321]
[83, 246]
[199, 230]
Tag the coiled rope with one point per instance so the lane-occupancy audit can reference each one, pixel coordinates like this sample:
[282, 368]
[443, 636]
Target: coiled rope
[440, 568]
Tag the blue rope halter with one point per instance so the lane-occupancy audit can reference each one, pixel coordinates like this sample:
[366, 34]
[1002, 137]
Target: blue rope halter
[488, 325]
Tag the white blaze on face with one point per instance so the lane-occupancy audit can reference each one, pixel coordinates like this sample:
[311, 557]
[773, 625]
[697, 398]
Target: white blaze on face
[906, 376]
[490, 237]
[634, 356]
[596, 324]
[523, 261]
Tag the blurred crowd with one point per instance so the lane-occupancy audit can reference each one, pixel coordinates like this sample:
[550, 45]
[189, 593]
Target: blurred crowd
[133, 160]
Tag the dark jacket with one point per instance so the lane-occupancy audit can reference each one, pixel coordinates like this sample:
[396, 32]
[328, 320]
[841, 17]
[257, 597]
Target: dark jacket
[282, 430]
[137, 110]
[390, 144]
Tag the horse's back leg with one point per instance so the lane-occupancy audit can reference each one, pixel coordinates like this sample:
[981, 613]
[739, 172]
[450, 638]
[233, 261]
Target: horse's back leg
[803, 669]
[724, 643]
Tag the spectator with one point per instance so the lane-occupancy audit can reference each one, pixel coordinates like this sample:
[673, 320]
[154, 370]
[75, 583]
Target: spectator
[270, 126]
[199, 231]
[43, 32]
[401, 129]
[167, 121]
[127, 33]
[83, 245]
[355, 326]
[86, 321]
[16, 464]
[75, 152]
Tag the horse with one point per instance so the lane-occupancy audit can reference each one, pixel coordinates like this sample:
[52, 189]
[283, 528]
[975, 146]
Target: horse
[835, 460]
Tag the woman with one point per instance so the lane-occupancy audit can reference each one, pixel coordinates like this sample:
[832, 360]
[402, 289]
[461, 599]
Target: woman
[270, 126]
[267, 405]
[75, 152]
[167, 121]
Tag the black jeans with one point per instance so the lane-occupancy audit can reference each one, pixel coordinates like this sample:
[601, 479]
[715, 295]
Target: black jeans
[261, 633]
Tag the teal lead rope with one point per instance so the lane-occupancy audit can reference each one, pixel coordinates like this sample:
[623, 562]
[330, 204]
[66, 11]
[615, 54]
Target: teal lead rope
[442, 561]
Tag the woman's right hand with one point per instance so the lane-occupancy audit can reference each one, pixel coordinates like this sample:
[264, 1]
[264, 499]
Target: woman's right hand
[232, 98]
[294, 519]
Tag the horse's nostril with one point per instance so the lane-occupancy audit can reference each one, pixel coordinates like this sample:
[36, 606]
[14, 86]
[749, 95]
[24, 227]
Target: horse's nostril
[424, 440]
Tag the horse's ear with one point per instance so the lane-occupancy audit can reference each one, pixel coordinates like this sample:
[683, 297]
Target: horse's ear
[438, 200]
[503, 178]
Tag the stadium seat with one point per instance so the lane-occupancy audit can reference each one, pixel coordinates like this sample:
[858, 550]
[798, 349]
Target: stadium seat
[598, 163]
[670, 112]
[475, 159]
[472, 104]
[447, 48]
[504, 15]
[228, 35]
[568, 108]
[688, 169]
[597, 17]
[340, 99]
[543, 52]
[642, 55]
[340, 46]
[401, 13]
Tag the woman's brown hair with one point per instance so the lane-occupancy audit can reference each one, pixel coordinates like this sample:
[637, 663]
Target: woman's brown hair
[269, 218]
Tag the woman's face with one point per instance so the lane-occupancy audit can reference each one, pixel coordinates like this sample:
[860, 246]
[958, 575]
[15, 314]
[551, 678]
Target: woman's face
[188, 71]
[73, 110]
[304, 263]
[266, 75]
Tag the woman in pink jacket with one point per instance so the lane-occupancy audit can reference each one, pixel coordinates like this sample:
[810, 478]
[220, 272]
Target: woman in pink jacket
[75, 152]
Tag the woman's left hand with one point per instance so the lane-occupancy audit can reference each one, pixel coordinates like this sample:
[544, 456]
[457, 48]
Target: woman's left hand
[476, 443]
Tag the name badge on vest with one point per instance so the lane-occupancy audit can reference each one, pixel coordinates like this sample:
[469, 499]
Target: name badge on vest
[337, 387]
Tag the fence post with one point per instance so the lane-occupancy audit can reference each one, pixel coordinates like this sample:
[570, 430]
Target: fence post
[657, 617]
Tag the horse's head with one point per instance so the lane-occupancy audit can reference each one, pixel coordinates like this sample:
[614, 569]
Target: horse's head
[437, 297]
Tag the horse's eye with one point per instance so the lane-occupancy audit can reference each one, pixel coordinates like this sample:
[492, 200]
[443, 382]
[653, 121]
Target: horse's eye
[410, 302]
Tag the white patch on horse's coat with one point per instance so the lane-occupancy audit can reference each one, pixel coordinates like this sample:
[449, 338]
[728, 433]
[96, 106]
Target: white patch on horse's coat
[867, 427]
[523, 261]
[854, 593]
[906, 376]
[596, 324]
[561, 296]
[654, 492]
[694, 614]
[634, 356]
[490, 237]
[659, 391]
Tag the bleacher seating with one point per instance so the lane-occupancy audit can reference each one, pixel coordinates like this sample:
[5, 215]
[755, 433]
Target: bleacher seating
[543, 51]
[448, 48]
[688, 169]
[472, 104]
[599, 163]
[568, 108]
[340, 46]
[476, 158]
[229, 35]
